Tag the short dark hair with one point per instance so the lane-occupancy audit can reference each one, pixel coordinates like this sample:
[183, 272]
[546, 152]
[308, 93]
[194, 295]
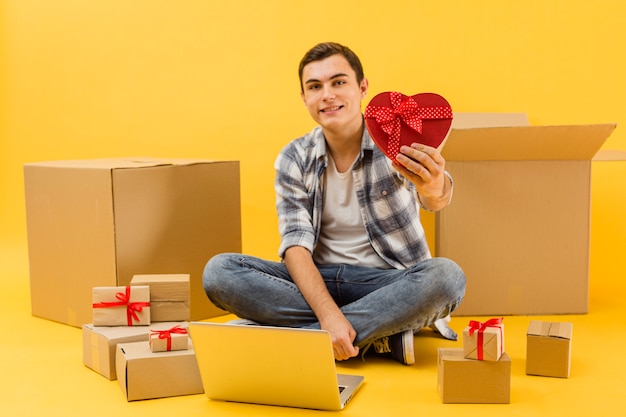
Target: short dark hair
[327, 49]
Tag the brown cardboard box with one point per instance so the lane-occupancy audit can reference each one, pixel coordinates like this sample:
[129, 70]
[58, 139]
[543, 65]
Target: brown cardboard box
[549, 349]
[143, 374]
[487, 345]
[99, 222]
[519, 225]
[99, 344]
[169, 296]
[121, 306]
[468, 381]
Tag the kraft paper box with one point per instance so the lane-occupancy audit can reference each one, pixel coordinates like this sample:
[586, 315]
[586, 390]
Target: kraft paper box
[467, 381]
[175, 338]
[520, 189]
[484, 343]
[143, 374]
[549, 349]
[100, 343]
[121, 306]
[98, 222]
[169, 296]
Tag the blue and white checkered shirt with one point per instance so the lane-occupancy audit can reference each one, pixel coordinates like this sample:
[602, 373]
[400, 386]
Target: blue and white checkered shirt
[388, 202]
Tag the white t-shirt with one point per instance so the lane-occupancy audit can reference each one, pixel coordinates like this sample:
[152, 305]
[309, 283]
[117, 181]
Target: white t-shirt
[343, 239]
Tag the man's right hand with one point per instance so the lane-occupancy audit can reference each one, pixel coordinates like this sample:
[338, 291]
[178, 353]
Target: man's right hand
[342, 335]
[305, 274]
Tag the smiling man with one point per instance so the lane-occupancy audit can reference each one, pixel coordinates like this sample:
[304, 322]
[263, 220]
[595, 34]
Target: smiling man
[355, 258]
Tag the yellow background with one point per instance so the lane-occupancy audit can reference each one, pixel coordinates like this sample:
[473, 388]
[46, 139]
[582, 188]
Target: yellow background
[212, 79]
[218, 79]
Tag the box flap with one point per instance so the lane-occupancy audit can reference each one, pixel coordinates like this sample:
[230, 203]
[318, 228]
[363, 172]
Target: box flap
[550, 329]
[561, 330]
[610, 155]
[120, 163]
[473, 120]
[516, 143]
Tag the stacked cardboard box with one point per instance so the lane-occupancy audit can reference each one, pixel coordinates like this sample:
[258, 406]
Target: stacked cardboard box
[100, 343]
[143, 374]
[480, 371]
[150, 360]
[169, 295]
[469, 381]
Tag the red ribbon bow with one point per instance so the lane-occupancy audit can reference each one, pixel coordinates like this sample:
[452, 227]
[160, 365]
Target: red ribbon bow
[131, 307]
[407, 111]
[167, 334]
[476, 325]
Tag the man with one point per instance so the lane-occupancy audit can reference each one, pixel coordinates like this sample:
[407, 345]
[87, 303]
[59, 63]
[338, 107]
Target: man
[355, 259]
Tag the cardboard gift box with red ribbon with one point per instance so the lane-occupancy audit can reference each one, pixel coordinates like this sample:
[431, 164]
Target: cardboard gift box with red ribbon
[176, 338]
[121, 306]
[484, 341]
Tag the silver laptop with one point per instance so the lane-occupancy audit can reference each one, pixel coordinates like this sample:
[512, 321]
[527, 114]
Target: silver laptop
[270, 365]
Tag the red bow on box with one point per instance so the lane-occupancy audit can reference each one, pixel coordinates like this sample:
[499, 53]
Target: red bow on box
[480, 327]
[394, 119]
[131, 307]
[167, 334]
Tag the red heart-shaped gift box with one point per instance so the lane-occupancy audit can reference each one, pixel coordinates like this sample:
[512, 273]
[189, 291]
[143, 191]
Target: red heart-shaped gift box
[394, 119]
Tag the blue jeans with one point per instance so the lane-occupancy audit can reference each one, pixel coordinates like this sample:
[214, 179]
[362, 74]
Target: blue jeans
[378, 302]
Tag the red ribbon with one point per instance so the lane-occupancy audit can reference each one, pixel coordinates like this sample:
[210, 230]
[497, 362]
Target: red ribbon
[167, 334]
[476, 325]
[407, 111]
[131, 307]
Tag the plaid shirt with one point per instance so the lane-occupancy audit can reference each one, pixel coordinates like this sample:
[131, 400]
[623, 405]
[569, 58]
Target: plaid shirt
[388, 202]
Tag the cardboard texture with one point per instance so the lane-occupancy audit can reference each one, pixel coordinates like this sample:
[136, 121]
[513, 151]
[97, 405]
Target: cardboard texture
[175, 338]
[121, 306]
[169, 296]
[486, 344]
[519, 224]
[99, 344]
[468, 381]
[143, 374]
[549, 349]
[99, 222]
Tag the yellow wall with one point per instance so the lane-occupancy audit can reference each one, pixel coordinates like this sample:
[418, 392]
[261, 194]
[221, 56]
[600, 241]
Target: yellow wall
[218, 79]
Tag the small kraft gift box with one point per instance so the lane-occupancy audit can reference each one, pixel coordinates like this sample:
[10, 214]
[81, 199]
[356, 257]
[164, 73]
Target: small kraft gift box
[175, 338]
[121, 306]
[469, 381]
[484, 341]
[169, 295]
[549, 349]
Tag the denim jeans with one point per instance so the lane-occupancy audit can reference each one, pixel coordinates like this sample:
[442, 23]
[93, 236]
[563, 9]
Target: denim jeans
[378, 302]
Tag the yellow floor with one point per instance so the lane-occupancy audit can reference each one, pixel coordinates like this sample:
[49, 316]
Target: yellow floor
[43, 375]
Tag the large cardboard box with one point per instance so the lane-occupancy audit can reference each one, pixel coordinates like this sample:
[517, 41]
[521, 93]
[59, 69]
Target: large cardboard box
[100, 222]
[468, 381]
[549, 348]
[143, 374]
[519, 224]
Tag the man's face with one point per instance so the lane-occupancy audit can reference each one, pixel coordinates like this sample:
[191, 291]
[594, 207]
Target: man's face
[331, 92]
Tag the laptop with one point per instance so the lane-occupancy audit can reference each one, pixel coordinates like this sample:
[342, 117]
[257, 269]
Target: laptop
[270, 365]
